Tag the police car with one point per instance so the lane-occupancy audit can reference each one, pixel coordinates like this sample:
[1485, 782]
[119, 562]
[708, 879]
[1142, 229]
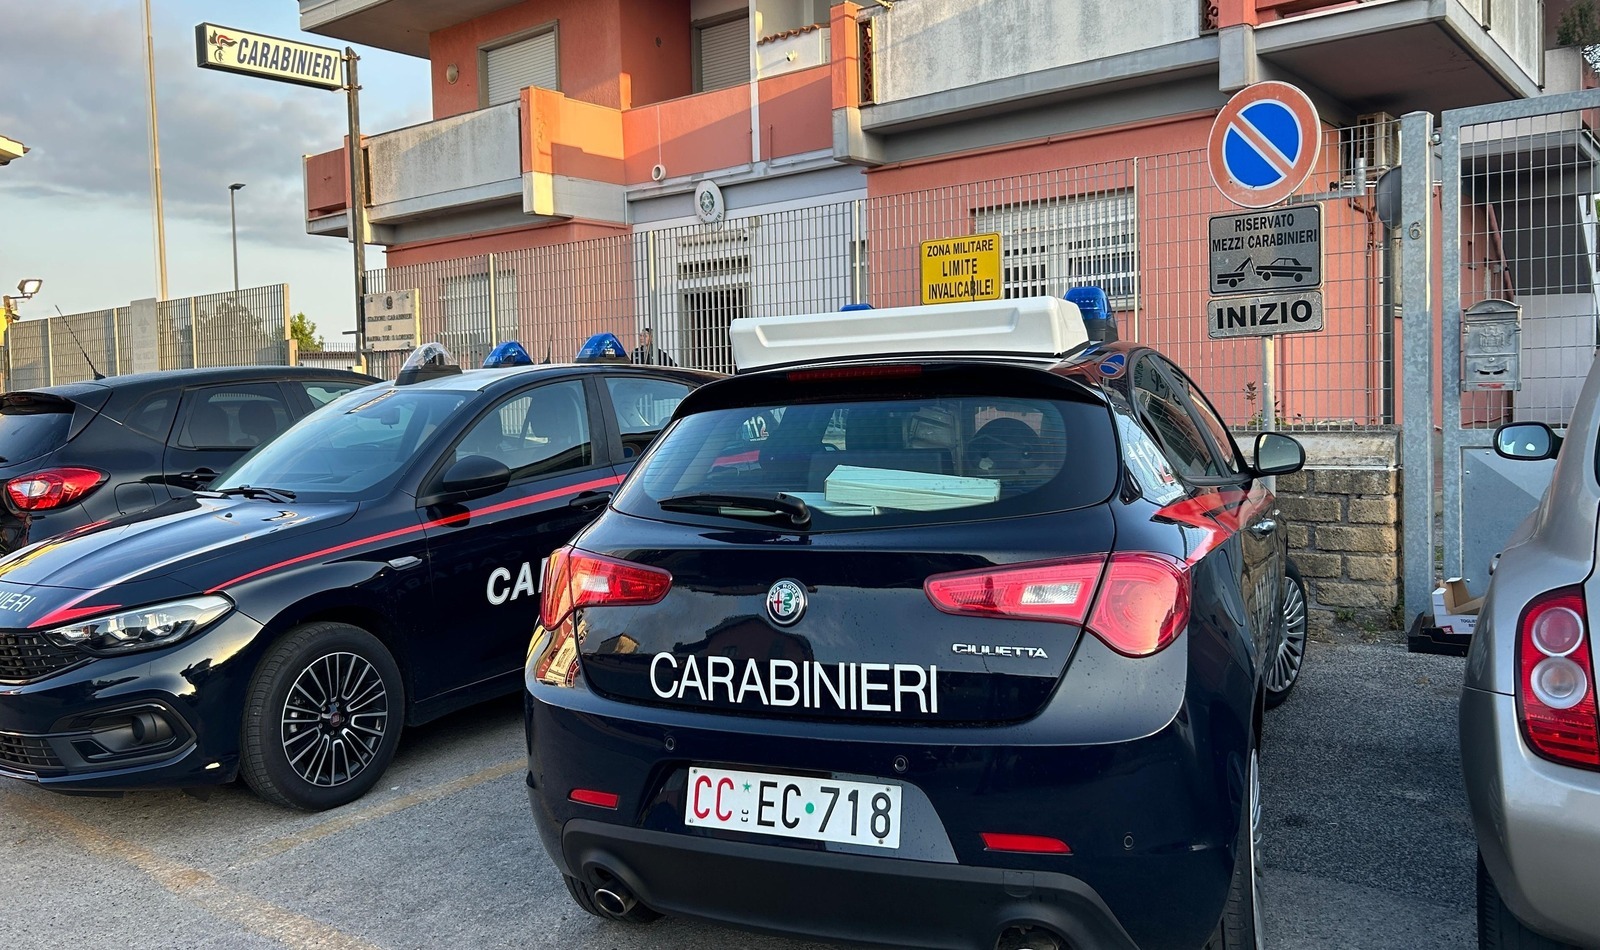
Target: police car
[372, 567]
[963, 645]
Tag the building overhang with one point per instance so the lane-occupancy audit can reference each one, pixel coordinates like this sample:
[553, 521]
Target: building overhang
[1397, 56]
[401, 26]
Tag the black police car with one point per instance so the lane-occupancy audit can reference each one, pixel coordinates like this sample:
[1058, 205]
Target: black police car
[82, 452]
[373, 566]
[967, 651]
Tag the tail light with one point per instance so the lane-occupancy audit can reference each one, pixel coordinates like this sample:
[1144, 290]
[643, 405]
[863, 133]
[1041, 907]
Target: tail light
[1143, 601]
[52, 487]
[1555, 680]
[574, 579]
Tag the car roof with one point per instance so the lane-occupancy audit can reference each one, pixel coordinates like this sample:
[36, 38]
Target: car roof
[190, 377]
[485, 380]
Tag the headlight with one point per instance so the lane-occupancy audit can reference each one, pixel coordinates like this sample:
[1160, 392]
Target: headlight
[143, 628]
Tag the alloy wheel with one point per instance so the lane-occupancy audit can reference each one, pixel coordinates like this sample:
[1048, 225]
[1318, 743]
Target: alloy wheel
[334, 719]
[1285, 668]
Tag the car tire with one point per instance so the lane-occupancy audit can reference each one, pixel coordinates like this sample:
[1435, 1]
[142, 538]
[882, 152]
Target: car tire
[344, 685]
[1240, 927]
[1283, 671]
[1498, 928]
[583, 894]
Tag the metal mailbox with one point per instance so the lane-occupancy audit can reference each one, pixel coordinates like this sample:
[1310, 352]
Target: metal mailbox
[1491, 353]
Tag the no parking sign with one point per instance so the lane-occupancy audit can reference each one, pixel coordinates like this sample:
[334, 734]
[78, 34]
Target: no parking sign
[1263, 144]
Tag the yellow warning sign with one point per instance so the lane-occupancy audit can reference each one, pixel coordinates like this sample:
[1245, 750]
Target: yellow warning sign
[961, 270]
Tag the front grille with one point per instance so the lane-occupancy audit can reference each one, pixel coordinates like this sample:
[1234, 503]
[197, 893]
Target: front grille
[29, 656]
[28, 753]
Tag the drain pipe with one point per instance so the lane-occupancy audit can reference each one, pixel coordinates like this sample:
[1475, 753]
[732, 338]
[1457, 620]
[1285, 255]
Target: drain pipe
[755, 85]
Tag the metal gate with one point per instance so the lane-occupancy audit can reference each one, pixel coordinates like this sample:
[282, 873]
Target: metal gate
[1518, 312]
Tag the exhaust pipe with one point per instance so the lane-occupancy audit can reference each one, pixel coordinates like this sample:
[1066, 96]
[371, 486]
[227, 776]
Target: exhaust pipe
[614, 904]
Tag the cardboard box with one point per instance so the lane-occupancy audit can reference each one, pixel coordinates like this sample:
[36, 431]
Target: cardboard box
[1454, 609]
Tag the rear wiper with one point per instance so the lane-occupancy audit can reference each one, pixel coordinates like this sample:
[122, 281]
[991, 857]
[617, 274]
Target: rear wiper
[280, 495]
[778, 504]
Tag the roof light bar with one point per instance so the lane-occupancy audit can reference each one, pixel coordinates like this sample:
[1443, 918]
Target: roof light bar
[1030, 326]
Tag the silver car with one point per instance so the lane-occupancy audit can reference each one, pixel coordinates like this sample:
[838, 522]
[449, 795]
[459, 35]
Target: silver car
[1530, 739]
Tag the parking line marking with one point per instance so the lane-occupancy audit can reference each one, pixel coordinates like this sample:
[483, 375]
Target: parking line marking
[223, 901]
[381, 810]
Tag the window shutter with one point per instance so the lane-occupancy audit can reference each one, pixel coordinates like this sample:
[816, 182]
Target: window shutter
[529, 62]
[724, 54]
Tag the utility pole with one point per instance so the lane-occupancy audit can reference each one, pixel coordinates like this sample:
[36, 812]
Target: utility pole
[357, 214]
[155, 158]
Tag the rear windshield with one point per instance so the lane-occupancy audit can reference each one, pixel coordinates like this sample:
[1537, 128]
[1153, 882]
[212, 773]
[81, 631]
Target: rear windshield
[881, 462]
[31, 426]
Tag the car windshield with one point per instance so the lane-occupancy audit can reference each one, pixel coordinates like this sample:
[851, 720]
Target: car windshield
[353, 448]
[858, 464]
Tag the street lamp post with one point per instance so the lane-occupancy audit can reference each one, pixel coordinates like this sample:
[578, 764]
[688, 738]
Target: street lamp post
[233, 219]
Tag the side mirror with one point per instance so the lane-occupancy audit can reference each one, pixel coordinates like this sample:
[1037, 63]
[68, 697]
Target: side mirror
[1526, 441]
[474, 477]
[1277, 454]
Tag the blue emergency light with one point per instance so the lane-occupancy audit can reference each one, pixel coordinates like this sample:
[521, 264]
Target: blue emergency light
[855, 306]
[509, 353]
[602, 348]
[1098, 319]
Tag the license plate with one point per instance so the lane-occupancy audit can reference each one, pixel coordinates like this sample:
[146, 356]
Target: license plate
[792, 806]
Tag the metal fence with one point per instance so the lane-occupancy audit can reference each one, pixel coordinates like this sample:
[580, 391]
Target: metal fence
[248, 327]
[1526, 233]
[1137, 227]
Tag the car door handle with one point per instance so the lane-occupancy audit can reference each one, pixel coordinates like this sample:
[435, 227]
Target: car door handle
[1263, 527]
[590, 499]
[200, 475]
[405, 563]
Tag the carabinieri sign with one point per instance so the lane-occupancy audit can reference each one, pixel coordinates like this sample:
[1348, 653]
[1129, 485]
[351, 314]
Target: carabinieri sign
[269, 57]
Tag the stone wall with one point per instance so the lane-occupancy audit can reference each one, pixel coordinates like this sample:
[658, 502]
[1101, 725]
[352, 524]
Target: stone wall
[1343, 515]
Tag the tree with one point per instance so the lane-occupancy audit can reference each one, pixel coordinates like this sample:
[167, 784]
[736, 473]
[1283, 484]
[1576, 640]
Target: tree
[304, 334]
[1580, 27]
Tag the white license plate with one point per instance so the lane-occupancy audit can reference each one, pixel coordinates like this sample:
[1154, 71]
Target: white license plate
[791, 806]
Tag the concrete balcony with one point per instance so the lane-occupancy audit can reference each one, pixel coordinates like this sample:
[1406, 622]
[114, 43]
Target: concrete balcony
[544, 160]
[398, 25]
[940, 76]
[1396, 56]
[549, 159]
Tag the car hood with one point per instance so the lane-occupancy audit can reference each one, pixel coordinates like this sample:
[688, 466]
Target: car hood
[131, 560]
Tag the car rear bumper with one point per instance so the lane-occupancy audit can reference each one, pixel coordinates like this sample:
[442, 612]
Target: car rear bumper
[837, 896]
[166, 718]
[1538, 823]
[1151, 822]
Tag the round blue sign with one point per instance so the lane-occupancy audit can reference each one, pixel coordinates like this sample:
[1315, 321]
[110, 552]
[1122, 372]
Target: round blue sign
[1264, 143]
[1113, 366]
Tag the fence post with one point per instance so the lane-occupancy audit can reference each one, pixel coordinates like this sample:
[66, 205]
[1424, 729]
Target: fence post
[1416, 327]
[857, 252]
[494, 306]
[194, 336]
[652, 304]
[291, 355]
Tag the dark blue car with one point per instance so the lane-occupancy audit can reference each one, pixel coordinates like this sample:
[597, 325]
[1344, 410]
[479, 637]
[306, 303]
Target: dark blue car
[373, 567]
[932, 649]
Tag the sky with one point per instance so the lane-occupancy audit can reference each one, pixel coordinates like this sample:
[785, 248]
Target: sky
[76, 210]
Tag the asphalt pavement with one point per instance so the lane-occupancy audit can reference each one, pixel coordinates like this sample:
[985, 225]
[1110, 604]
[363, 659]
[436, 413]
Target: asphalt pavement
[1368, 844]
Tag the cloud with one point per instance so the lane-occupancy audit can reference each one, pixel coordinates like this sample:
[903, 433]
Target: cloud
[76, 96]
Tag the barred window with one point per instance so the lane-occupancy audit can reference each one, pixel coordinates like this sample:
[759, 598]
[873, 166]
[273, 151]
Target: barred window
[1051, 246]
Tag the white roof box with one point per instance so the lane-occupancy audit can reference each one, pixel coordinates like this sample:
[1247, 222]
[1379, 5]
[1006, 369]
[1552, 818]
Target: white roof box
[1031, 326]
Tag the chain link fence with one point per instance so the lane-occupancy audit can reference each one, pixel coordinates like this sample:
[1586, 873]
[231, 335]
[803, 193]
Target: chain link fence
[249, 327]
